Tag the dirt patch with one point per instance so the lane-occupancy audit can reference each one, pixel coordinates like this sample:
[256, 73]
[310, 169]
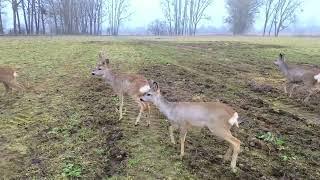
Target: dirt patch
[218, 45]
[97, 42]
[259, 159]
[99, 101]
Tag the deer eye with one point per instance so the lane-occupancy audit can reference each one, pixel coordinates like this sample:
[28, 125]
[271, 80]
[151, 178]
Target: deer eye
[99, 69]
[148, 94]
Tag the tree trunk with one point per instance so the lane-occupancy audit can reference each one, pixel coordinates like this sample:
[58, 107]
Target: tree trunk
[1, 25]
[43, 24]
[14, 13]
[32, 14]
[191, 19]
[18, 19]
[185, 14]
[25, 16]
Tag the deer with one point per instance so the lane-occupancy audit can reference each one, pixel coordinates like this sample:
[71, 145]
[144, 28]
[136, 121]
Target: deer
[216, 116]
[8, 78]
[133, 85]
[299, 74]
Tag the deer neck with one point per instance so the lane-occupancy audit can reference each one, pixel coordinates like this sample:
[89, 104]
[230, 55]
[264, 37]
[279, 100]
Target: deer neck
[109, 75]
[164, 106]
[284, 68]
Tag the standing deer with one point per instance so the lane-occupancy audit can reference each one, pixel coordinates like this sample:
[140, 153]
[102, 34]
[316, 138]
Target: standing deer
[216, 116]
[133, 85]
[296, 74]
[8, 78]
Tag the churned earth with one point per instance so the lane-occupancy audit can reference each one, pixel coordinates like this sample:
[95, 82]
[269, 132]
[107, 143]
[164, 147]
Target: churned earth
[65, 122]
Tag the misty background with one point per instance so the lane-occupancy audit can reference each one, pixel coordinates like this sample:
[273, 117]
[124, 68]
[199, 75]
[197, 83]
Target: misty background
[148, 17]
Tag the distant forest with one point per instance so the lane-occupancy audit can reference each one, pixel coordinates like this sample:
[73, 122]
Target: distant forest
[181, 17]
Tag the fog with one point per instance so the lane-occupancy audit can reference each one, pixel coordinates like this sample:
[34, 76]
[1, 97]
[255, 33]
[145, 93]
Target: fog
[145, 11]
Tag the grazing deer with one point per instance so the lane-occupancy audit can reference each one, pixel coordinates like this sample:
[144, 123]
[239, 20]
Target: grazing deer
[216, 116]
[296, 74]
[133, 85]
[8, 78]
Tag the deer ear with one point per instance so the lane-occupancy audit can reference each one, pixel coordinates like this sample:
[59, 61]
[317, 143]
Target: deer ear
[100, 54]
[151, 82]
[281, 56]
[105, 61]
[155, 86]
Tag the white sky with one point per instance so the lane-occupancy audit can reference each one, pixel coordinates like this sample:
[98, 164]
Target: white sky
[144, 11]
[147, 10]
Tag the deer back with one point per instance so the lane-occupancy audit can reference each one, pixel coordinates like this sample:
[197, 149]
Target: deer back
[131, 84]
[203, 114]
[7, 74]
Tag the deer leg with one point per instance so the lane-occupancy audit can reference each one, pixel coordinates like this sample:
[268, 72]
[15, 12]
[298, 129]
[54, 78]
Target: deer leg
[292, 89]
[183, 133]
[121, 106]
[171, 134]
[149, 113]
[227, 156]
[285, 88]
[140, 112]
[8, 89]
[234, 145]
[146, 106]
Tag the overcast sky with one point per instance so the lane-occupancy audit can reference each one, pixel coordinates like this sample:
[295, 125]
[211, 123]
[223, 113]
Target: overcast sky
[144, 11]
[148, 10]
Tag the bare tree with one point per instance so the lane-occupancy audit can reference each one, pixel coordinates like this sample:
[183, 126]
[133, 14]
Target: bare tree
[158, 28]
[269, 8]
[168, 14]
[241, 14]
[117, 13]
[1, 21]
[284, 14]
[15, 16]
[183, 16]
[198, 8]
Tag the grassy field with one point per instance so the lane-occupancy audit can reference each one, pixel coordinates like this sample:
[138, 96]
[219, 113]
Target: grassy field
[64, 124]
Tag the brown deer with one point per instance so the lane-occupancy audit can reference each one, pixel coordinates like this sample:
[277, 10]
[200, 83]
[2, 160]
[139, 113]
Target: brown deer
[299, 74]
[216, 116]
[8, 78]
[133, 85]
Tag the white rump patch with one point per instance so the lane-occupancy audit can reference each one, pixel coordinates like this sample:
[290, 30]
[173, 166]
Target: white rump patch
[317, 77]
[144, 89]
[234, 119]
[15, 74]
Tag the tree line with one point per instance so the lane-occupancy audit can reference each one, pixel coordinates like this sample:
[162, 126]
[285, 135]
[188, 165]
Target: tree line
[181, 17]
[64, 16]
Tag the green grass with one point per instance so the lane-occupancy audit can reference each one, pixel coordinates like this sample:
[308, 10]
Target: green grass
[64, 125]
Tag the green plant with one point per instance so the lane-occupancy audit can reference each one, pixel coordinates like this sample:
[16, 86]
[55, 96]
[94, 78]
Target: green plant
[288, 157]
[269, 137]
[72, 170]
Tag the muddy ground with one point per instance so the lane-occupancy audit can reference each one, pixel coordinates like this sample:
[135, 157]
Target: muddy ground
[67, 125]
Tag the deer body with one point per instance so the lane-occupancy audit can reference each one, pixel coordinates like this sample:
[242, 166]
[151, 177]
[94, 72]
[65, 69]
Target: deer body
[8, 78]
[198, 114]
[216, 116]
[133, 85]
[295, 74]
